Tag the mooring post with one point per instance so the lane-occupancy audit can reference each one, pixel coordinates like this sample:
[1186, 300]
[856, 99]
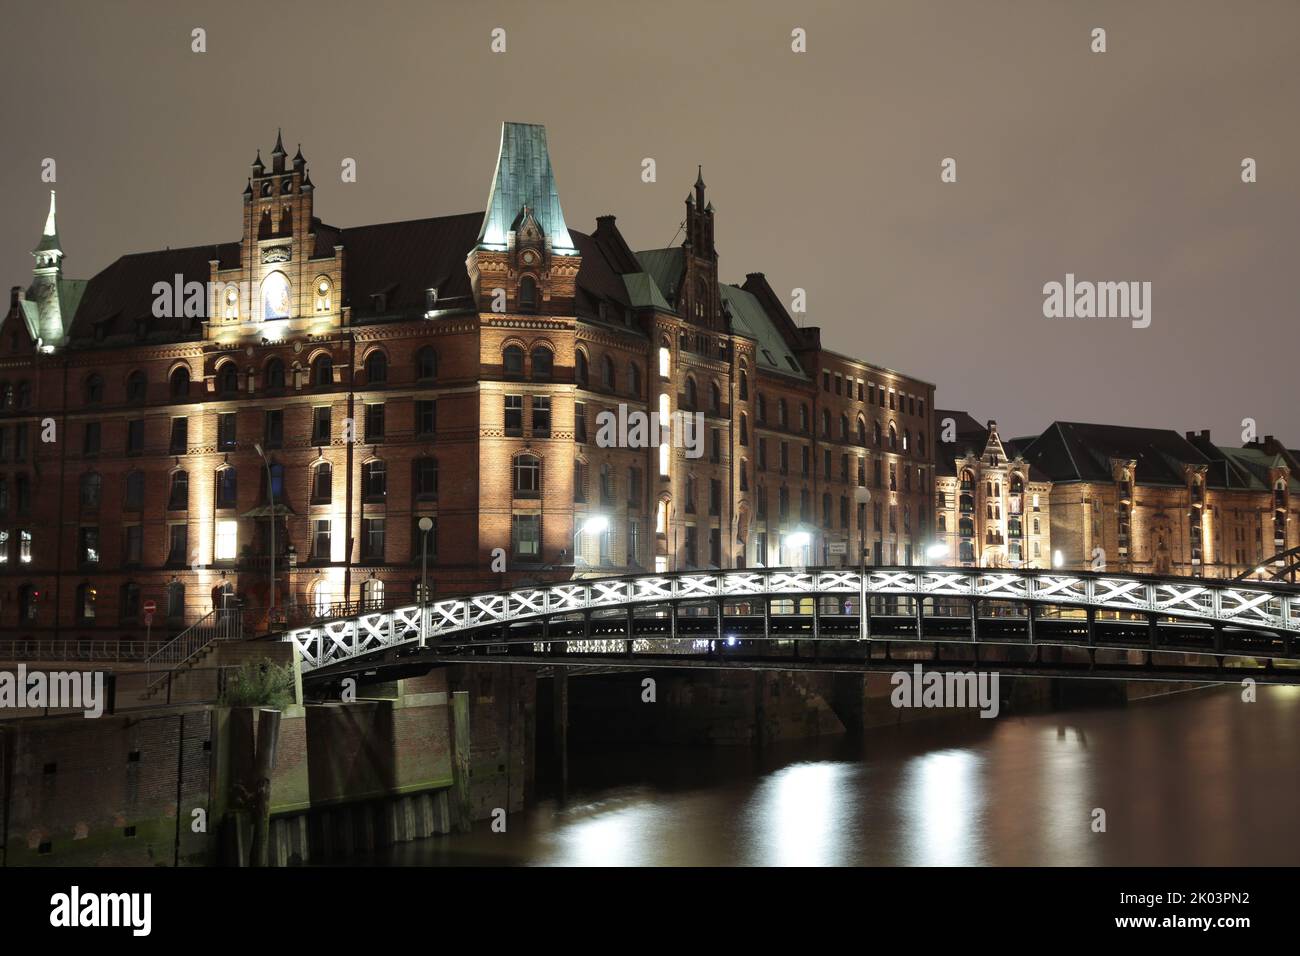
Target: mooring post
[462, 808]
[268, 734]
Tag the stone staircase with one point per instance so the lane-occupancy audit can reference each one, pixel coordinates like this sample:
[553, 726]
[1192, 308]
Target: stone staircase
[189, 648]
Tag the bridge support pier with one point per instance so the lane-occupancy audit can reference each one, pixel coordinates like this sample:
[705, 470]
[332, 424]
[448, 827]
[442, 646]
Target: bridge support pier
[1153, 631]
[561, 717]
[1092, 626]
[462, 808]
[920, 618]
[974, 619]
[1030, 615]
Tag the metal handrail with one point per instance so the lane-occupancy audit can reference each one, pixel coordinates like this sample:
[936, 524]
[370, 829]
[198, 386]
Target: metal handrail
[219, 624]
[76, 649]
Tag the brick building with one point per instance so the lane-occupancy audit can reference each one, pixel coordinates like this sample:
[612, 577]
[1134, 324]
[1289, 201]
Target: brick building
[306, 394]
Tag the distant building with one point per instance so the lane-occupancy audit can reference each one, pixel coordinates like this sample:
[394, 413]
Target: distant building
[312, 392]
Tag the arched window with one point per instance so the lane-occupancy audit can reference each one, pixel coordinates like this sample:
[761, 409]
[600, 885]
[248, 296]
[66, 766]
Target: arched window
[580, 367]
[543, 363]
[180, 382]
[324, 299]
[136, 387]
[227, 379]
[920, 443]
[691, 396]
[633, 380]
[24, 394]
[512, 361]
[374, 481]
[94, 389]
[8, 397]
[376, 368]
[133, 500]
[322, 371]
[907, 439]
[425, 478]
[274, 374]
[744, 429]
[372, 593]
[92, 485]
[744, 386]
[227, 487]
[608, 378]
[875, 433]
[715, 398]
[844, 428]
[803, 418]
[175, 601]
[320, 599]
[129, 603]
[87, 598]
[527, 480]
[1017, 485]
[322, 483]
[426, 364]
[276, 298]
[761, 408]
[826, 423]
[862, 433]
[893, 437]
[782, 413]
[178, 495]
[27, 601]
[527, 294]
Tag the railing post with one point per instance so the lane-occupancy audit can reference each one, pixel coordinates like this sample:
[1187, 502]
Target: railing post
[1092, 626]
[974, 619]
[1031, 612]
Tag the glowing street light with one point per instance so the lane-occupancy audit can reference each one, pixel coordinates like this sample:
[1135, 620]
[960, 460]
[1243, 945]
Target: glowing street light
[1058, 559]
[594, 524]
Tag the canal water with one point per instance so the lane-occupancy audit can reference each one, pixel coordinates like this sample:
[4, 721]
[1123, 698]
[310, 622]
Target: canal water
[1197, 778]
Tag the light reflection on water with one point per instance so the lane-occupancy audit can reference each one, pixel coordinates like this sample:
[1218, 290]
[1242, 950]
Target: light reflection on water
[1195, 779]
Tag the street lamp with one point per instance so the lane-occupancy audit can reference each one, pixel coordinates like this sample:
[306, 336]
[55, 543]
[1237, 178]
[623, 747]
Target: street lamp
[798, 540]
[594, 524]
[936, 550]
[425, 525]
[270, 491]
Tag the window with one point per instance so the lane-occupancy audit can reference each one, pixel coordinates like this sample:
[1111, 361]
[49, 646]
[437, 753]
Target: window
[608, 378]
[275, 473]
[134, 545]
[227, 540]
[227, 379]
[25, 546]
[691, 397]
[527, 294]
[90, 439]
[374, 423]
[87, 597]
[376, 368]
[94, 392]
[425, 478]
[526, 536]
[633, 380]
[273, 428]
[180, 383]
[607, 489]
[274, 375]
[744, 429]
[91, 486]
[322, 298]
[226, 431]
[527, 476]
[320, 539]
[744, 386]
[374, 481]
[423, 545]
[136, 387]
[88, 545]
[580, 423]
[322, 371]
[4, 495]
[579, 480]
[715, 398]
[129, 603]
[372, 539]
[177, 543]
[372, 594]
[715, 497]
[426, 364]
[227, 487]
[514, 415]
[580, 367]
[180, 438]
[322, 483]
[320, 425]
[513, 361]
[665, 360]
[543, 363]
[426, 418]
[541, 416]
[178, 497]
[634, 486]
[134, 497]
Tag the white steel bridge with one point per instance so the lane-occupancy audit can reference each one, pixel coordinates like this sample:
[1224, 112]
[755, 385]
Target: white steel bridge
[1092, 624]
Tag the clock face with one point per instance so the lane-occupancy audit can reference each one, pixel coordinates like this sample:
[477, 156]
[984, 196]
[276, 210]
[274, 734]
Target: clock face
[530, 257]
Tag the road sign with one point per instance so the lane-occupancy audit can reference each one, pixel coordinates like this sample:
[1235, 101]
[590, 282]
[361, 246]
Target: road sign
[839, 547]
[150, 607]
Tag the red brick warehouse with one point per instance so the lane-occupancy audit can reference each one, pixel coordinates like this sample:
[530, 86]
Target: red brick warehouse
[343, 383]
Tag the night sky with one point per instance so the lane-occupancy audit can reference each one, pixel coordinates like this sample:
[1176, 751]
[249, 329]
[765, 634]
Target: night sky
[824, 166]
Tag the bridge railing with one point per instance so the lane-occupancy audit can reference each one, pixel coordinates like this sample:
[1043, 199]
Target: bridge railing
[1260, 605]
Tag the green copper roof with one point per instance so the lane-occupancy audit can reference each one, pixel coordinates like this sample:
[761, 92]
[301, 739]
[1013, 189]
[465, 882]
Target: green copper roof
[644, 291]
[50, 236]
[665, 266]
[1255, 463]
[524, 178]
[749, 319]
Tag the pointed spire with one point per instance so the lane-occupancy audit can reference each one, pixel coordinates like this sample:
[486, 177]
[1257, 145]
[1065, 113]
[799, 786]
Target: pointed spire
[279, 144]
[248, 190]
[298, 161]
[258, 165]
[699, 188]
[306, 180]
[49, 250]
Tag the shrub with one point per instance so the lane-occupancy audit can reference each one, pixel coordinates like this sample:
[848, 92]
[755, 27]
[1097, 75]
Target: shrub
[259, 684]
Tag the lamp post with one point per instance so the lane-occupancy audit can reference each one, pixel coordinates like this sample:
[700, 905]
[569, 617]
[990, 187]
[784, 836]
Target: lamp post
[862, 496]
[270, 491]
[426, 525]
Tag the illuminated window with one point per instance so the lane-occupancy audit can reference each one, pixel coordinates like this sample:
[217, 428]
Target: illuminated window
[664, 361]
[275, 297]
[227, 539]
[324, 299]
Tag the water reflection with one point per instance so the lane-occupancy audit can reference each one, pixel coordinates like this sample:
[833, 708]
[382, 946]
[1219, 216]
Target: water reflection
[1197, 779]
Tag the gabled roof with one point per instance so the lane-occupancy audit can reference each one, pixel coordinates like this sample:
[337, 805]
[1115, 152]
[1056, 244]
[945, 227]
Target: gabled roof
[524, 178]
[749, 318]
[1253, 464]
[402, 260]
[1074, 451]
[972, 441]
[666, 267]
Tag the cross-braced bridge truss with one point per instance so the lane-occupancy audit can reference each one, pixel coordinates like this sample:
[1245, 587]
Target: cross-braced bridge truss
[1089, 610]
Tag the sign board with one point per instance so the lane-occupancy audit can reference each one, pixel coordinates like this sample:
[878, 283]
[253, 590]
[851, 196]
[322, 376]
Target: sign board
[839, 547]
[150, 607]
